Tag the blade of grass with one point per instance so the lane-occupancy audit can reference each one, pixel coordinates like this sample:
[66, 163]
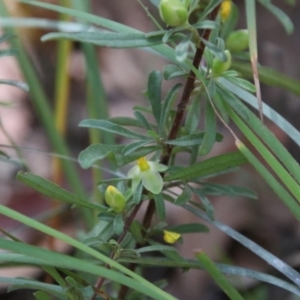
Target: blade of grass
[262, 131]
[279, 170]
[218, 277]
[63, 237]
[269, 76]
[251, 25]
[273, 183]
[271, 259]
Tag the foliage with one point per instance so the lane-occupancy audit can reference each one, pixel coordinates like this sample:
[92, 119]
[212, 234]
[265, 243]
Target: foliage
[212, 61]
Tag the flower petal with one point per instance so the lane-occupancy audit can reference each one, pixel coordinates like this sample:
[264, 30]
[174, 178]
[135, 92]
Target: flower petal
[157, 167]
[133, 172]
[152, 181]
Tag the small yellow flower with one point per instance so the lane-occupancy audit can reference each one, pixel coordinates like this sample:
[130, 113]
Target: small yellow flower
[147, 172]
[171, 237]
[225, 9]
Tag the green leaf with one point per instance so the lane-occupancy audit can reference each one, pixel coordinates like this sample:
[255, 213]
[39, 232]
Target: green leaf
[269, 76]
[125, 121]
[173, 71]
[218, 277]
[118, 224]
[160, 206]
[17, 283]
[242, 83]
[165, 111]
[54, 191]
[189, 228]
[261, 130]
[193, 115]
[210, 130]
[154, 94]
[227, 190]
[182, 49]
[206, 203]
[143, 121]
[271, 259]
[137, 195]
[113, 128]
[273, 183]
[95, 152]
[184, 197]
[210, 166]
[121, 160]
[159, 248]
[188, 140]
[108, 39]
[68, 262]
[205, 24]
[219, 53]
[42, 296]
[133, 147]
[136, 231]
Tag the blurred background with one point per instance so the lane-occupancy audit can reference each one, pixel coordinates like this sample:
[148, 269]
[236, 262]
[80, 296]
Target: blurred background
[124, 74]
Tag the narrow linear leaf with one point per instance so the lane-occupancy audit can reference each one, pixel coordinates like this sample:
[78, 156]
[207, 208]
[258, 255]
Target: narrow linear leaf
[210, 166]
[154, 94]
[108, 39]
[189, 228]
[281, 172]
[210, 130]
[95, 152]
[271, 259]
[54, 191]
[206, 203]
[160, 206]
[132, 280]
[143, 121]
[133, 147]
[68, 262]
[118, 224]
[159, 248]
[218, 277]
[167, 106]
[273, 183]
[184, 197]
[113, 128]
[261, 130]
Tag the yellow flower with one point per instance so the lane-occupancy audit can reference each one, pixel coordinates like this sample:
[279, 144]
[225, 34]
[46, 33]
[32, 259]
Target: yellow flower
[147, 172]
[225, 9]
[171, 237]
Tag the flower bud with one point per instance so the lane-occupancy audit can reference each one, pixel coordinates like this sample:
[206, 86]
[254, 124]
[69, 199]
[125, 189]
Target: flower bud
[173, 12]
[219, 67]
[238, 40]
[114, 199]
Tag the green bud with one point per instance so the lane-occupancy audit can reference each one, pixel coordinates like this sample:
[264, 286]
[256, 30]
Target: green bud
[114, 199]
[219, 67]
[238, 40]
[173, 12]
